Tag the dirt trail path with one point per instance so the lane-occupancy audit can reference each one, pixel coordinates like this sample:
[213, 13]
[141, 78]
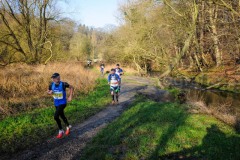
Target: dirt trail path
[71, 147]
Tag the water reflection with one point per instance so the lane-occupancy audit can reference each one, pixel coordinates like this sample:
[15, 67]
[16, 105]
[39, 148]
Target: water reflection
[212, 97]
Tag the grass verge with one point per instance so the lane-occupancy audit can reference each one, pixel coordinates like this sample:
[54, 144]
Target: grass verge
[174, 91]
[24, 130]
[149, 130]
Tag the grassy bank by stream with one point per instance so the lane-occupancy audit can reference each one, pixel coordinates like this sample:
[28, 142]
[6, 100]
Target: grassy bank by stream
[150, 130]
[24, 130]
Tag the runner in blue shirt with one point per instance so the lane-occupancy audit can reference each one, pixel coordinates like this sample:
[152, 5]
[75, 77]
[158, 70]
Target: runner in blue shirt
[58, 90]
[102, 66]
[113, 81]
[119, 72]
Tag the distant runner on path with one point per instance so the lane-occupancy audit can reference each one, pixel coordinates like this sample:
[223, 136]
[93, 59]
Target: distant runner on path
[102, 66]
[113, 81]
[119, 72]
[58, 89]
[89, 63]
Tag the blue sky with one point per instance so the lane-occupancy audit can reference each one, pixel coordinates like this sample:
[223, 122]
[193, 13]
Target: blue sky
[96, 13]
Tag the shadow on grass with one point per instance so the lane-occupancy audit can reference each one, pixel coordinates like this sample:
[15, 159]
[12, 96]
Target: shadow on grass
[215, 145]
[144, 131]
[136, 129]
[179, 120]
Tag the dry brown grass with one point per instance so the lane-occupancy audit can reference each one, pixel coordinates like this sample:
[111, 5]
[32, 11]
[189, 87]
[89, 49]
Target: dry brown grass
[223, 112]
[23, 87]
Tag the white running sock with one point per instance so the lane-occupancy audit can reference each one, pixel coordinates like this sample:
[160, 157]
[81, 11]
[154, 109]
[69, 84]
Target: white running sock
[61, 131]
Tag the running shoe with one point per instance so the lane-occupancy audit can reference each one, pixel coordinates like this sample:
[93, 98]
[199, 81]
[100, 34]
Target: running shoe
[60, 134]
[68, 130]
[113, 102]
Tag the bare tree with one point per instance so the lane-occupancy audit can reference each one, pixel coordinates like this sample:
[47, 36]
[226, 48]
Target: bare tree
[213, 16]
[26, 26]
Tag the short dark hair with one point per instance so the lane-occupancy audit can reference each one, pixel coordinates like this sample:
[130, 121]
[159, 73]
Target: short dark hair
[118, 65]
[113, 70]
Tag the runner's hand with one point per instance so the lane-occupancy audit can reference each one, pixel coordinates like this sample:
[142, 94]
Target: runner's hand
[50, 92]
[69, 99]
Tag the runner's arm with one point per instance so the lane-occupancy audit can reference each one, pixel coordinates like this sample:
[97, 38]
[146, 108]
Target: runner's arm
[50, 90]
[121, 72]
[71, 89]
[119, 79]
[109, 79]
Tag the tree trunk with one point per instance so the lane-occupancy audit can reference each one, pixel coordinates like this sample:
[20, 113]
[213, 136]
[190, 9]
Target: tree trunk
[201, 25]
[213, 20]
[198, 63]
[201, 20]
[191, 61]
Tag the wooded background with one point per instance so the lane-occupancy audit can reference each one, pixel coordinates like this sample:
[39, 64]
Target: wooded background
[152, 35]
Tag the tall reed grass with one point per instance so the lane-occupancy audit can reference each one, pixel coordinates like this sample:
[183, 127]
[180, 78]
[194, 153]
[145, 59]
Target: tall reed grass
[23, 87]
[224, 112]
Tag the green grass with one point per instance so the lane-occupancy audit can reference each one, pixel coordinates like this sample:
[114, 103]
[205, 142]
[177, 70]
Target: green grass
[149, 130]
[174, 91]
[24, 130]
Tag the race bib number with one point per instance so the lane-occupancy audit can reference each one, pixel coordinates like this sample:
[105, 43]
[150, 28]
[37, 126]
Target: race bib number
[58, 95]
[114, 83]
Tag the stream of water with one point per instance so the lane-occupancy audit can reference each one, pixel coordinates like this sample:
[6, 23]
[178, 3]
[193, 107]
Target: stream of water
[211, 97]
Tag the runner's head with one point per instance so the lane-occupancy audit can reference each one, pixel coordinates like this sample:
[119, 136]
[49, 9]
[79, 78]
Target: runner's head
[56, 78]
[113, 71]
[118, 65]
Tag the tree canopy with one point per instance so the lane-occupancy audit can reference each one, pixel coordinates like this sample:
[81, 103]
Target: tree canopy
[153, 34]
